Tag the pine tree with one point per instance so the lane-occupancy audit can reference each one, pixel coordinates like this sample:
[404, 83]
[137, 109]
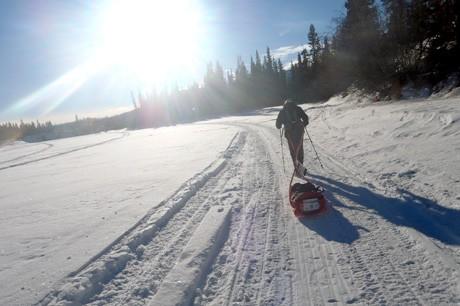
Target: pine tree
[315, 46]
[258, 65]
[358, 41]
[269, 62]
[253, 65]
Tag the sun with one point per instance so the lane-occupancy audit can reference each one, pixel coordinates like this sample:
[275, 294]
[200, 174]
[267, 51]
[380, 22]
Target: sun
[154, 41]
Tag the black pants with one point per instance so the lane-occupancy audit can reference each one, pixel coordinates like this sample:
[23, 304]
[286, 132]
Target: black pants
[295, 141]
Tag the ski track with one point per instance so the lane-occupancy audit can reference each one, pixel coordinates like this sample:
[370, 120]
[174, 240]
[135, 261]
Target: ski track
[351, 254]
[122, 135]
[131, 269]
[253, 266]
[47, 147]
[317, 280]
[142, 277]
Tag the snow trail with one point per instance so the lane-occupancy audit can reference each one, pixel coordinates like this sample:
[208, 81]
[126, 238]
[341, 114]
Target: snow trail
[384, 239]
[133, 266]
[356, 253]
[34, 160]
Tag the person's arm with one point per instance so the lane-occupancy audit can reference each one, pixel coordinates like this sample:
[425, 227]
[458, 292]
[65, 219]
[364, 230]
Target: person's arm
[303, 115]
[279, 120]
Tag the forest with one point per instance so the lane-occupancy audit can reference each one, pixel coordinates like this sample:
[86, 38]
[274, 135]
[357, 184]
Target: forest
[377, 47]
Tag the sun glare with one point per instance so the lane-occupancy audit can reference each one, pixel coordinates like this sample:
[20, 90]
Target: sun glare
[155, 41]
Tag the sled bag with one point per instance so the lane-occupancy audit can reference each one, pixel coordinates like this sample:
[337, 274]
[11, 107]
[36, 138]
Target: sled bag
[306, 199]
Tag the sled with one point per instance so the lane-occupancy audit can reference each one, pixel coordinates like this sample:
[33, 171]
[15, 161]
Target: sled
[306, 199]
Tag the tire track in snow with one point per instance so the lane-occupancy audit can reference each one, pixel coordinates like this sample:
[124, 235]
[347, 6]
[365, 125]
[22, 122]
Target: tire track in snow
[296, 247]
[379, 265]
[317, 277]
[132, 267]
[143, 276]
[253, 266]
[243, 265]
[384, 272]
[304, 245]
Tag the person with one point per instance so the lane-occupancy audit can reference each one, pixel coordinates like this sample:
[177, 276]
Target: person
[294, 120]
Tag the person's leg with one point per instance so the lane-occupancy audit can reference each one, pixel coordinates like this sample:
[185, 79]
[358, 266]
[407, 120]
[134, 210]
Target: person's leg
[300, 153]
[292, 148]
[301, 171]
[295, 146]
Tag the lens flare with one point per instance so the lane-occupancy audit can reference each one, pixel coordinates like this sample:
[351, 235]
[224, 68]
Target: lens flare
[155, 43]
[52, 95]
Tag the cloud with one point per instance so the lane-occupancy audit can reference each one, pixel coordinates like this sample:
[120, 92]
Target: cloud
[286, 51]
[288, 54]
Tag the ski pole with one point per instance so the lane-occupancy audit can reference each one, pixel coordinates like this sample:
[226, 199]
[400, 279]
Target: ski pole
[282, 151]
[313, 146]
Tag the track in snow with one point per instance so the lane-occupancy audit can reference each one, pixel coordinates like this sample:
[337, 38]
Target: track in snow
[356, 253]
[254, 266]
[47, 146]
[132, 268]
[365, 250]
[26, 162]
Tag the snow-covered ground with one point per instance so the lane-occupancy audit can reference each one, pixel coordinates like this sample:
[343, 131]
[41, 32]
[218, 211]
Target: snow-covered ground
[64, 201]
[199, 213]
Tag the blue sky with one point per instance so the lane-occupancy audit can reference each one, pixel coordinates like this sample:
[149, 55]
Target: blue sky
[46, 46]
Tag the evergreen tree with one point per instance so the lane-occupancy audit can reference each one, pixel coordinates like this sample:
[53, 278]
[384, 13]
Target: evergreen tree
[269, 62]
[315, 46]
[258, 64]
[358, 42]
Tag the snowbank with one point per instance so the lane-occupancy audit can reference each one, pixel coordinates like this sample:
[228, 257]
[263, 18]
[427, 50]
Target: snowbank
[407, 144]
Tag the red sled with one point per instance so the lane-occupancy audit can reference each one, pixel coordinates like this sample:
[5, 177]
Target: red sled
[307, 199]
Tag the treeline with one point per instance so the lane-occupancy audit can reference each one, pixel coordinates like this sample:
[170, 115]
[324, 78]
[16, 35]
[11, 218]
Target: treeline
[263, 83]
[374, 47]
[12, 131]
[36, 131]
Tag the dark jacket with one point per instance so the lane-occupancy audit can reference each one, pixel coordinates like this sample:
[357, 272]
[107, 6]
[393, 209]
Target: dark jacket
[292, 117]
[294, 120]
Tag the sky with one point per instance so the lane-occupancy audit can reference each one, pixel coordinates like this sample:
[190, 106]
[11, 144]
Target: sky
[62, 58]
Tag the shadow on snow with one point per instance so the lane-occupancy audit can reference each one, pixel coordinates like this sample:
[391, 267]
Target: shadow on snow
[332, 225]
[423, 215]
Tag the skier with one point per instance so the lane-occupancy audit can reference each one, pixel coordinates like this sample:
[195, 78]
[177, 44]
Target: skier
[294, 120]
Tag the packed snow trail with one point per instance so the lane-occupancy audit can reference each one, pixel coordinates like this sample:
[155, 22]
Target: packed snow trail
[356, 253]
[380, 242]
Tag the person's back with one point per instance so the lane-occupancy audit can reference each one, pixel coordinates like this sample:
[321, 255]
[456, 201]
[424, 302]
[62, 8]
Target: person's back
[294, 120]
[292, 117]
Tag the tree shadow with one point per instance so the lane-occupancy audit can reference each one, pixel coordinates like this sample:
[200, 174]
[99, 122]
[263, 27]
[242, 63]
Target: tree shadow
[422, 214]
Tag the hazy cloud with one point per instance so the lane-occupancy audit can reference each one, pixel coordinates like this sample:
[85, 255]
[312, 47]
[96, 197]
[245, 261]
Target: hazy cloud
[288, 50]
[288, 54]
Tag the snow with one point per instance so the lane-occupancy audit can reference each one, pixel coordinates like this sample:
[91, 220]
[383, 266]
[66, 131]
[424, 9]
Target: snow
[178, 287]
[111, 218]
[61, 206]
[413, 145]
